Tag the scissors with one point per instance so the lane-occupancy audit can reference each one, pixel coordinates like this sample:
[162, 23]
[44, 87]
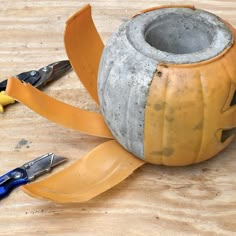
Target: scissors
[37, 78]
[28, 172]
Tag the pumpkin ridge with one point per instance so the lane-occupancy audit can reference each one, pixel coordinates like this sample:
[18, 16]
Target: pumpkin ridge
[227, 102]
[155, 103]
[227, 109]
[127, 115]
[197, 157]
[164, 114]
[105, 83]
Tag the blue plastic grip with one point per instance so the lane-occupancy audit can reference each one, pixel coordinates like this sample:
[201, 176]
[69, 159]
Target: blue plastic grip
[12, 180]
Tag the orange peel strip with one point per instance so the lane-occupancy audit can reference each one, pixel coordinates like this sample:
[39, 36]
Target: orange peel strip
[164, 6]
[101, 169]
[84, 48]
[71, 117]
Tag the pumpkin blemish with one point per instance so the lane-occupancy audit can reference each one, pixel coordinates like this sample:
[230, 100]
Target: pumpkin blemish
[169, 118]
[199, 126]
[159, 106]
[165, 152]
[159, 73]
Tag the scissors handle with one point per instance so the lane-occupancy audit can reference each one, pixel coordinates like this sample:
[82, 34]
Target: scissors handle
[12, 180]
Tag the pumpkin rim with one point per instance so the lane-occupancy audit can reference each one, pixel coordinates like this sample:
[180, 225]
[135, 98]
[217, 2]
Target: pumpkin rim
[222, 37]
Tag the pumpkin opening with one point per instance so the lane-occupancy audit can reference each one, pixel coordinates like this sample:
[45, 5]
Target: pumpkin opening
[179, 34]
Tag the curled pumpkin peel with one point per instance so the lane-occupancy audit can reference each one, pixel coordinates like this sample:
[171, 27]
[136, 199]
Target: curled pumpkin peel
[101, 169]
[71, 117]
[162, 7]
[84, 48]
[178, 114]
[105, 166]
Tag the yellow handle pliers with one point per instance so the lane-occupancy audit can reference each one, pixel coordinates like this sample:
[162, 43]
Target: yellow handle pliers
[5, 100]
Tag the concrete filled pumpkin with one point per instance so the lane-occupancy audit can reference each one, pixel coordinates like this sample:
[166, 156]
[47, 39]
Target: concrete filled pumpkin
[165, 83]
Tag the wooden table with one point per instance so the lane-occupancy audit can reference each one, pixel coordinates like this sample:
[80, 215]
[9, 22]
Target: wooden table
[155, 200]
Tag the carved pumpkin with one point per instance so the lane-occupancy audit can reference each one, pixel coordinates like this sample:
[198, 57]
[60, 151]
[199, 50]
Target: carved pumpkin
[176, 75]
[166, 88]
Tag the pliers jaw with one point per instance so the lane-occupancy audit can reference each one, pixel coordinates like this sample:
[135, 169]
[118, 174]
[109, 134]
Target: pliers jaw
[40, 77]
[52, 72]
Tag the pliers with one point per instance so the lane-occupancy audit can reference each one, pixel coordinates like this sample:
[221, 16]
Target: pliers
[37, 78]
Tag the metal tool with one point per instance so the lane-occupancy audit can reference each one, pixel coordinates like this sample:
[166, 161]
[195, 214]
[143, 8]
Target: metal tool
[28, 172]
[37, 78]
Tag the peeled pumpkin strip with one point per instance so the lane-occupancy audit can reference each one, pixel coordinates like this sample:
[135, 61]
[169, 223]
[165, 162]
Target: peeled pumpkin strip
[162, 7]
[101, 169]
[72, 117]
[168, 6]
[84, 48]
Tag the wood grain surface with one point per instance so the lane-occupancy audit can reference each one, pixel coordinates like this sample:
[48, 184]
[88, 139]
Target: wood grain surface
[155, 200]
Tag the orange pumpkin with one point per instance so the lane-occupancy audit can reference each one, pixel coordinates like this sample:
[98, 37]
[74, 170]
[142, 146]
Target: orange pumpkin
[179, 108]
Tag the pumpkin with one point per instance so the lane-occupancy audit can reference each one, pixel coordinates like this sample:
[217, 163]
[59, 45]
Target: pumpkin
[165, 83]
[162, 63]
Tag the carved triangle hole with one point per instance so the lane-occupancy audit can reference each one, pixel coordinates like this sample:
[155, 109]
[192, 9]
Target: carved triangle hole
[233, 101]
[226, 133]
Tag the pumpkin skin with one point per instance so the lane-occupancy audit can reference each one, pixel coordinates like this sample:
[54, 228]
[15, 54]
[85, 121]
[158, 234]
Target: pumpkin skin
[170, 107]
